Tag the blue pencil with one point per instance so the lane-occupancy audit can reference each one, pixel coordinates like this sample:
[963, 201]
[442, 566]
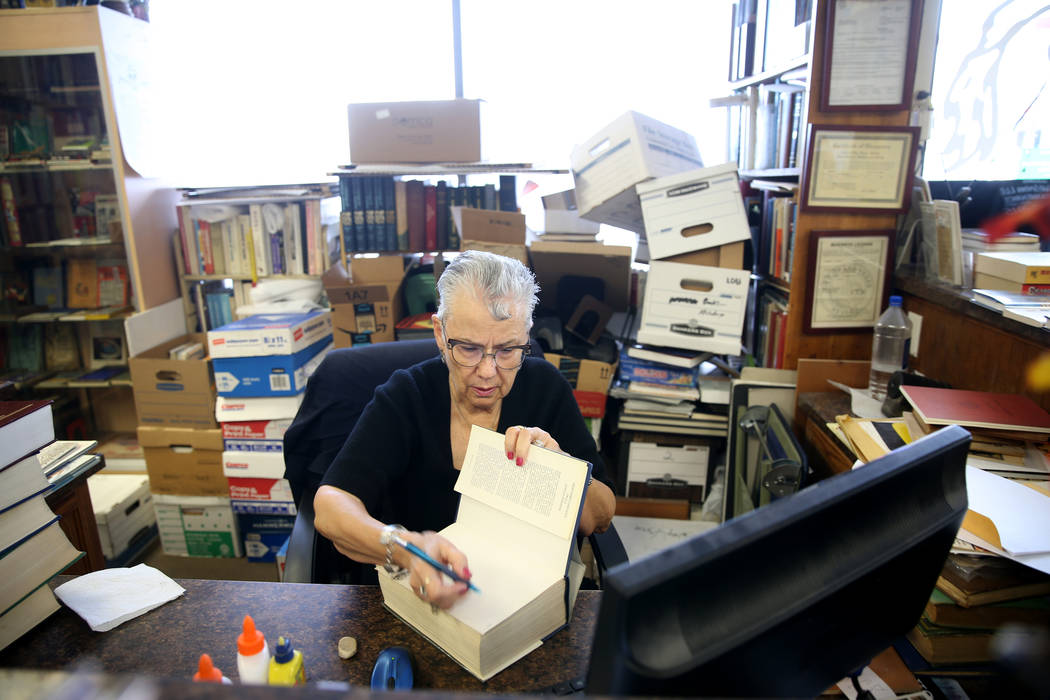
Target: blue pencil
[413, 549]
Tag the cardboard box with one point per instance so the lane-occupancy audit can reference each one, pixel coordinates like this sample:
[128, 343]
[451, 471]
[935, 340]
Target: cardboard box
[267, 492]
[262, 465]
[269, 334]
[269, 375]
[232, 408]
[632, 149]
[183, 461]
[176, 393]
[693, 210]
[489, 225]
[123, 508]
[670, 459]
[195, 526]
[567, 221]
[255, 436]
[730, 256]
[366, 299]
[553, 260]
[509, 250]
[444, 131]
[694, 307]
[589, 379]
[264, 534]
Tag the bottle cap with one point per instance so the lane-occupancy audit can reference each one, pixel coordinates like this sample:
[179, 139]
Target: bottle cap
[206, 672]
[251, 640]
[896, 300]
[283, 652]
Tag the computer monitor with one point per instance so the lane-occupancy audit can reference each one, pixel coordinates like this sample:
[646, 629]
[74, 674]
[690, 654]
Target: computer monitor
[792, 597]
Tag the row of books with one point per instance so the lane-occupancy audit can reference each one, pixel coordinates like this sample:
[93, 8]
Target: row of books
[771, 327]
[33, 207]
[382, 213]
[1031, 309]
[217, 301]
[33, 547]
[257, 239]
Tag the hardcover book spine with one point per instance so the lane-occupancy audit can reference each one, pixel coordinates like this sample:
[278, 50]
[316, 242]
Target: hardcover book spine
[313, 237]
[390, 214]
[414, 197]
[441, 215]
[430, 217]
[259, 241]
[204, 245]
[346, 217]
[401, 214]
[186, 237]
[489, 198]
[508, 198]
[357, 192]
[371, 214]
[277, 252]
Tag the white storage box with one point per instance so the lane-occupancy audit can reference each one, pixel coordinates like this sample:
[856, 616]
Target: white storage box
[685, 462]
[694, 307]
[197, 526]
[693, 210]
[260, 465]
[123, 508]
[269, 334]
[232, 408]
[632, 149]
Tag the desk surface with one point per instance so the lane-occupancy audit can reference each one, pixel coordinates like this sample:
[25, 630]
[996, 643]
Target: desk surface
[168, 641]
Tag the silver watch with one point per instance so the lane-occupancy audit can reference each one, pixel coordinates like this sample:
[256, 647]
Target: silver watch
[386, 538]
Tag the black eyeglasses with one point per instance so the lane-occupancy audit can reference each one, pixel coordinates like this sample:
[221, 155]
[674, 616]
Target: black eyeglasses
[470, 355]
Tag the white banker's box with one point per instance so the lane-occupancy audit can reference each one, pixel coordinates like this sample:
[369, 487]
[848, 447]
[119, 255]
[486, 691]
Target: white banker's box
[693, 210]
[632, 149]
[694, 307]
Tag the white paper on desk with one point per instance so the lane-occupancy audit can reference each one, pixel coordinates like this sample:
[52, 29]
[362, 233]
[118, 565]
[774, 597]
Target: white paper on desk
[869, 681]
[110, 597]
[1021, 515]
[861, 403]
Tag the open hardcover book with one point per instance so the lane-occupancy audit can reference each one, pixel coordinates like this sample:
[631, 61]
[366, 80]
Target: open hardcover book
[517, 527]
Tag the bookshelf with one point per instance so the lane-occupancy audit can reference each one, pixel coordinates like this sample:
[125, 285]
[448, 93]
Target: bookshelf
[73, 94]
[762, 159]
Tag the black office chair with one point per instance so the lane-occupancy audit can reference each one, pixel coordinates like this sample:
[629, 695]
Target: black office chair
[335, 397]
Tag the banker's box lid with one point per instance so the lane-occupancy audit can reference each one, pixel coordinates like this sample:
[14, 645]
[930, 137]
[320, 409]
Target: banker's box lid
[156, 436]
[269, 321]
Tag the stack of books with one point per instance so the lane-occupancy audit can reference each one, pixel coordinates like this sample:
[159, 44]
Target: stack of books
[976, 595]
[1031, 309]
[671, 396]
[976, 240]
[1025, 272]
[33, 548]
[1010, 431]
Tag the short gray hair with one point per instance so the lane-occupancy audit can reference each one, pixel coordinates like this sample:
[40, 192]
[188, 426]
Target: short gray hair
[502, 283]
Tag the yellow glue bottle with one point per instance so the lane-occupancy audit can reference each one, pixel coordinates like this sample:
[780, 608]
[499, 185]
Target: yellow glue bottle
[286, 666]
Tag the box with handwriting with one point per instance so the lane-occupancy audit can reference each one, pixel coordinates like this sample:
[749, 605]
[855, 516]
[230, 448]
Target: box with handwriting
[693, 210]
[694, 307]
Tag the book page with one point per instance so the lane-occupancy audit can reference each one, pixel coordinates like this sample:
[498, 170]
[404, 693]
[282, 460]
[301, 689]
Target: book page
[546, 491]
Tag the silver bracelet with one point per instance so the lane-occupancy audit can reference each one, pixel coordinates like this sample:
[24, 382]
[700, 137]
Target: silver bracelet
[386, 538]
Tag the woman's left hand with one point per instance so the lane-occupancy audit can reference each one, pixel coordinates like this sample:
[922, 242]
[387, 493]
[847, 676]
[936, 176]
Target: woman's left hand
[519, 439]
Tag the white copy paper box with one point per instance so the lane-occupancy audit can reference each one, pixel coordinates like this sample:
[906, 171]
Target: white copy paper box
[676, 207]
[632, 149]
[694, 307]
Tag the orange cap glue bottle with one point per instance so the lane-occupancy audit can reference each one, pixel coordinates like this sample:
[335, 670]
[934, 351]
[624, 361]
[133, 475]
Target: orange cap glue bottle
[286, 666]
[208, 673]
[253, 657]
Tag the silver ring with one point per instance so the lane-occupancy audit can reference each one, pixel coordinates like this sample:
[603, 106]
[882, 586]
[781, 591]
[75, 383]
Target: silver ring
[539, 443]
[422, 590]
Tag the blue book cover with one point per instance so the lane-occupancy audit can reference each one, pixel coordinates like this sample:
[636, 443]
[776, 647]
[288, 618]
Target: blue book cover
[390, 214]
[634, 370]
[357, 194]
[371, 214]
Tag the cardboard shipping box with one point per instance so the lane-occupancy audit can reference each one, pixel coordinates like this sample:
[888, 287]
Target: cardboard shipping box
[632, 149]
[442, 131]
[590, 381]
[499, 232]
[366, 300]
[611, 264]
[175, 393]
[184, 462]
[693, 210]
[269, 375]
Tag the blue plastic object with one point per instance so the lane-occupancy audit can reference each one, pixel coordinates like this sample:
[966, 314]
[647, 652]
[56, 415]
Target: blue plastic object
[393, 670]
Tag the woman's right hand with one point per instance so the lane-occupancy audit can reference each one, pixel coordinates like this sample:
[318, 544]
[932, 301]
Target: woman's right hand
[427, 582]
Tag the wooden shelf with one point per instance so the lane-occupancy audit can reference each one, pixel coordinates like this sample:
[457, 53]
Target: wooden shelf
[67, 166]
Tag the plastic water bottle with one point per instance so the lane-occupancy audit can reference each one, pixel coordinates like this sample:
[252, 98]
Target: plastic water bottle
[889, 347]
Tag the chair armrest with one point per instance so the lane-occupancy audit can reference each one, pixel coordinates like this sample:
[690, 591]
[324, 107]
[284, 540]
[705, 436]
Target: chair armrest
[607, 546]
[299, 562]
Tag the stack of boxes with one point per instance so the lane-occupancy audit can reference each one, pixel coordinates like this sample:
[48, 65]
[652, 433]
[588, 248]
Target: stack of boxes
[182, 446]
[262, 364]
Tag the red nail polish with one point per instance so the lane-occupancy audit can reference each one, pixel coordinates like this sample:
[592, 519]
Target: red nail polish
[510, 455]
[520, 461]
[466, 572]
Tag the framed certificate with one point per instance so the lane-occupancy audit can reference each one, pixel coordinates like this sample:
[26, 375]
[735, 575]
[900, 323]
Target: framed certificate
[869, 54]
[848, 275]
[851, 168]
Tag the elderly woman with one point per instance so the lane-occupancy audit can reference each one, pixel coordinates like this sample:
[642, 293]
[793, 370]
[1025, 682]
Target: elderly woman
[403, 455]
